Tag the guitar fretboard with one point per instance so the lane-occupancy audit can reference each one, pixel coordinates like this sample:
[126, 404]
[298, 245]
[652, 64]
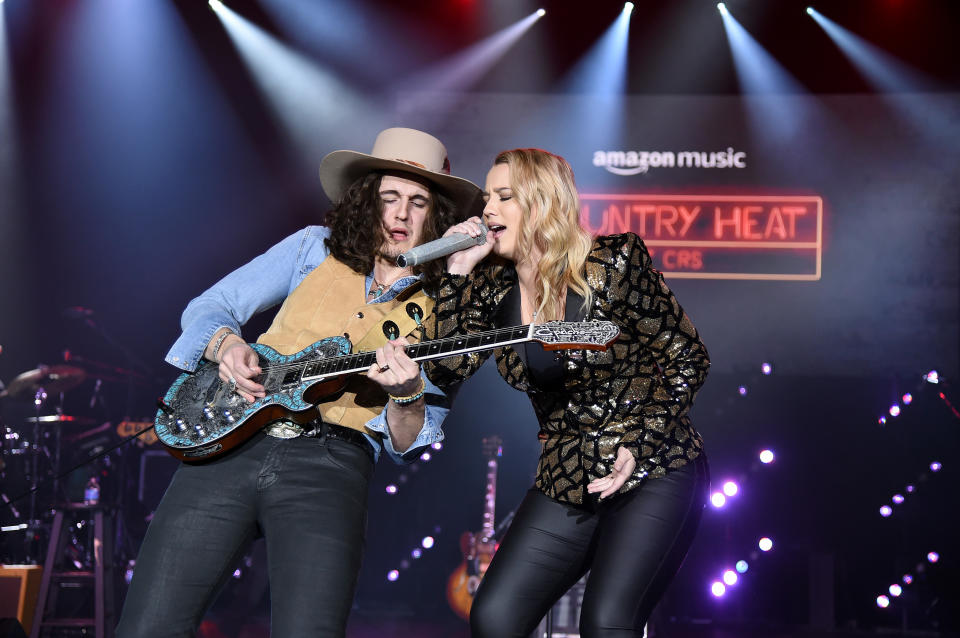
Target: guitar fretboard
[435, 349]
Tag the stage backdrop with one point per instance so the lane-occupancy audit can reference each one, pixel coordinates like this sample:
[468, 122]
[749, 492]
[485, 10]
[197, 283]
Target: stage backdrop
[817, 233]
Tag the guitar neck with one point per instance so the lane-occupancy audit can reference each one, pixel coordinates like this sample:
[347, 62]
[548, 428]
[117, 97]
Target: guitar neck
[424, 351]
[489, 507]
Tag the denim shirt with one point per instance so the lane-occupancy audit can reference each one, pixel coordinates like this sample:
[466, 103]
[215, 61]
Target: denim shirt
[264, 283]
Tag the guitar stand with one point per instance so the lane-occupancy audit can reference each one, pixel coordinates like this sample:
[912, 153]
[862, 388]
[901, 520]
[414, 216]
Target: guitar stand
[100, 578]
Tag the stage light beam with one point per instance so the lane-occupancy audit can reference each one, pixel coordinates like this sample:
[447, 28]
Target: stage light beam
[603, 70]
[759, 73]
[459, 73]
[883, 70]
[904, 87]
[315, 108]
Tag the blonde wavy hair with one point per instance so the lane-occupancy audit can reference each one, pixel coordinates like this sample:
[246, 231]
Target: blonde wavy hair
[544, 188]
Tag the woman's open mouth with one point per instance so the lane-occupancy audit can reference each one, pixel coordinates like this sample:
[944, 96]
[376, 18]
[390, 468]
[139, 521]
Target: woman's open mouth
[495, 230]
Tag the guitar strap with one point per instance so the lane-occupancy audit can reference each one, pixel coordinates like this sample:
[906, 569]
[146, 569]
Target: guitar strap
[413, 306]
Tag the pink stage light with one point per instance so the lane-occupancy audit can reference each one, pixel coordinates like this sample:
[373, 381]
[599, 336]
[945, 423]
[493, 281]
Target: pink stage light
[427, 542]
[718, 500]
[392, 575]
[718, 589]
[765, 544]
[897, 499]
[907, 399]
[730, 577]
[766, 456]
[933, 557]
[895, 590]
[730, 488]
[766, 368]
[886, 511]
[883, 602]
[894, 410]
[391, 489]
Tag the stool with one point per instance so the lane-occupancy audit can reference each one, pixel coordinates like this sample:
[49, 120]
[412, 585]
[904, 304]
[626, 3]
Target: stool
[100, 578]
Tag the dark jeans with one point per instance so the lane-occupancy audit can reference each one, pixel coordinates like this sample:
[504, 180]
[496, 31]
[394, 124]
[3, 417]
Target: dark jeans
[306, 496]
[633, 546]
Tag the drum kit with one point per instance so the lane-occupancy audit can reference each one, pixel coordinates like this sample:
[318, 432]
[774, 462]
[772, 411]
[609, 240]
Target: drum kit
[39, 453]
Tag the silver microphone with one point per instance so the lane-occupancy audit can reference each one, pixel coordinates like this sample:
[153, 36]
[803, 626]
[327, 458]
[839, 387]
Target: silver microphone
[441, 248]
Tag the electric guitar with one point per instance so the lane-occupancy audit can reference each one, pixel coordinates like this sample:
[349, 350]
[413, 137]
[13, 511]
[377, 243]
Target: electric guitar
[478, 549]
[202, 417]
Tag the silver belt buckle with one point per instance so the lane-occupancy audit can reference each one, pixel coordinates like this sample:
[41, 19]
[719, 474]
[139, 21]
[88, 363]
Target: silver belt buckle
[283, 430]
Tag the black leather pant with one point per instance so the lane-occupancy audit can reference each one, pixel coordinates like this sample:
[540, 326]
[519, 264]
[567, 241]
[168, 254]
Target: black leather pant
[633, 546]
[306, 496]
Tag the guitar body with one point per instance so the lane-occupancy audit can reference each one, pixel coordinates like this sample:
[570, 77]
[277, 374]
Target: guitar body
[459, 587]
[463, 582]
[203, 417]
[478, 549]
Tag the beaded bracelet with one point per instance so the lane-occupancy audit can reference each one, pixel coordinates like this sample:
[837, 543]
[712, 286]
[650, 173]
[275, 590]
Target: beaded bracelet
[219, 342]
[413, 397]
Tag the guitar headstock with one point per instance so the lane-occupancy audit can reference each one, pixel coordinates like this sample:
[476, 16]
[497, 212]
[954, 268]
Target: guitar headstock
[579, 335]
[492, 447]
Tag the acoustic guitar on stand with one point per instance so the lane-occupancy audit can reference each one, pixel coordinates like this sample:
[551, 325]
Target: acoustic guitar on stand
[478, 549]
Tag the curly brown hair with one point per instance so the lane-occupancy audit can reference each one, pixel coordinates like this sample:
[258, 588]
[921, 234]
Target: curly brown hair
[356, 227]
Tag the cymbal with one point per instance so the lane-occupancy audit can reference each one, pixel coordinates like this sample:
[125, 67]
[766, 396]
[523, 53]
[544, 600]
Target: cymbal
[61, 418]
[53, 379]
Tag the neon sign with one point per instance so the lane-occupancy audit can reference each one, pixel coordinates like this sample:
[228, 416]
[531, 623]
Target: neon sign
[717, 236]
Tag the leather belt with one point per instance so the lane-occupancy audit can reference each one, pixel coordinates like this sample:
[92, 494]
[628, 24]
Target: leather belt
[319, 429]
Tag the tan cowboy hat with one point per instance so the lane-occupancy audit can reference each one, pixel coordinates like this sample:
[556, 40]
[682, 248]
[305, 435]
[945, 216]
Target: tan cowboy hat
[399, 149]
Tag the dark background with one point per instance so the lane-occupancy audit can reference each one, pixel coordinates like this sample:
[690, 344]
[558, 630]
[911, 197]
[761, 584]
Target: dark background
[144, 153]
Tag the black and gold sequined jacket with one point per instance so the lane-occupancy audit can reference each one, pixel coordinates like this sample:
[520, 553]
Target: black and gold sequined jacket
[635, 394]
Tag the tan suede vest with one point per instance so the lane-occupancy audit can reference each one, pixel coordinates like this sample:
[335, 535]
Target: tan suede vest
[331, 301]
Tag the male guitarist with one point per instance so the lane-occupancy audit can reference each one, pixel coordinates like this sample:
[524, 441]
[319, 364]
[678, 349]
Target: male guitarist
[304, 487]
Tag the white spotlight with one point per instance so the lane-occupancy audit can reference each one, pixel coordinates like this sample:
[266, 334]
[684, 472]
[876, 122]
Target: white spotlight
[627, 7]
[809, 11]
[541, 12]
[722, 7]
[215, 4]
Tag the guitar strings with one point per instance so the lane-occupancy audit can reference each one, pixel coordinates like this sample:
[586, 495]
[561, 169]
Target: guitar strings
[361, 355]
